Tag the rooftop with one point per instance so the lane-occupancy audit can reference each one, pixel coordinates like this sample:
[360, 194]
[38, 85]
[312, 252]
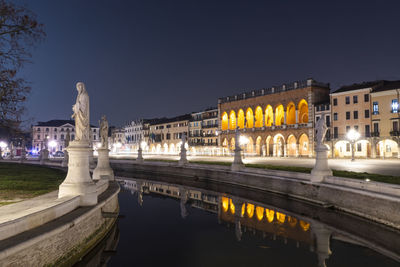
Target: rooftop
[376, 86]
[57, 123]
[274, 90]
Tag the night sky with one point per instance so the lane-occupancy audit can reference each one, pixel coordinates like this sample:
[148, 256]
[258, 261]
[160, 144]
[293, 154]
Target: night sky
[165, 58]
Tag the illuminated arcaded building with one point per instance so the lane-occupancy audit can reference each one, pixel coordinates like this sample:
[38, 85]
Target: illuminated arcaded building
[276, 121]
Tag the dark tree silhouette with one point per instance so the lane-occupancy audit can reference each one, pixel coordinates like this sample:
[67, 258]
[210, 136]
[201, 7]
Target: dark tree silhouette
[19, 32]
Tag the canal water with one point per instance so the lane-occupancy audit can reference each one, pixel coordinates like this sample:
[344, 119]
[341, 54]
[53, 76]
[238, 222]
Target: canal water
[167, 224]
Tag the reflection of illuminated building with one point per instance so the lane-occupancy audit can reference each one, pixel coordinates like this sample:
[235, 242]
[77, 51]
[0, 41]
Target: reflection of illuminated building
[277, 121]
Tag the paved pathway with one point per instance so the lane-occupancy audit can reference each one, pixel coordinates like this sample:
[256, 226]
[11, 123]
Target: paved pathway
[386, 167]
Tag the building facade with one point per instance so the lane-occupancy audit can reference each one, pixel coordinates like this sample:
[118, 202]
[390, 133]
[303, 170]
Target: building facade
[165, 134]
[276, 121]
[52, 134]
[134, 133]
[370, 109]
[203, 132]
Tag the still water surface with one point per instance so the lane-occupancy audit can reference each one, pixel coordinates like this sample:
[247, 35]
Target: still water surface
[175, 225]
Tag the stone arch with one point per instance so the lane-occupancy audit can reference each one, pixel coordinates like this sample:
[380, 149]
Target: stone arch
[269, 144]
[269, 116]
[279, 115]
[225, 143]
[152, 148]
[259, 117]
[304, 145]
[279, 145]
[240, 118]
[291, 113]
[387, 148]
[165, 147]
[250, 146]
[232, 120]
[172, 148]
[259, 213]
[250, 210]
[258, 145]
[249, 118]
[303, 111]
[291, 146]
[158, 149]
[224, 121]
[232, 144]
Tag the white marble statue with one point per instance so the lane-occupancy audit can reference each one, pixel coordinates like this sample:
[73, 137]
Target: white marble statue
[321, 131]
[81, 114]
[67, 138]
[104, 132]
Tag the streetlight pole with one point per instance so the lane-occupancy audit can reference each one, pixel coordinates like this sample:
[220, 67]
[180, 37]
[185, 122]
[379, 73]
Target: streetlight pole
[353, 136]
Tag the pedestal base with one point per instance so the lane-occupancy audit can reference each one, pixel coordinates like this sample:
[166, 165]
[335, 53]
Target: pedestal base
[103, 165]
[237, 163]
[321, 168]
[183, 160]
[78, 180]
[139, 158]
[64, 162]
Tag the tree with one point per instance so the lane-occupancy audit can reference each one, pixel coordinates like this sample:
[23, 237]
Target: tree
[19, 31]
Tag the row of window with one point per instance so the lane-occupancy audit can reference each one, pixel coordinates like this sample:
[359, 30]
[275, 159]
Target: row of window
[62, 129]
[62, 137]
[355, 99]
[182, 124]
[395, 128]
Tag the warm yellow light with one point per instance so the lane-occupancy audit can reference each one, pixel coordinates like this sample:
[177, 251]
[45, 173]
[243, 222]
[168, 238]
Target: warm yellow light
[250, 210]
[280, 217]
[232, 206]
[304, 225]
[270, 215]
[243, 207]
[260, 213]
[225, 204]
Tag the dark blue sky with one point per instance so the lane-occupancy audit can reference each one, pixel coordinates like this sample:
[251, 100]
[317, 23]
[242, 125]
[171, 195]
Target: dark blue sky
[164, 58]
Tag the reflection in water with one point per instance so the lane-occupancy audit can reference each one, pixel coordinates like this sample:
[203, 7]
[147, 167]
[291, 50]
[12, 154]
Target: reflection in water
[248, 216]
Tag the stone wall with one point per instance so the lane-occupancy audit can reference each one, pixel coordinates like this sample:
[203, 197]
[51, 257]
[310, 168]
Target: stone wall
[65, 240]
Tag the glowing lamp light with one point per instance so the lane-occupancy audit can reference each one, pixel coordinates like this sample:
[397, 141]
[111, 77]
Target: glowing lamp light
[98, 145]
[118, 145]
[353, 135]
[143, 145]
[243, 140]
[3, 144]
[52, 143]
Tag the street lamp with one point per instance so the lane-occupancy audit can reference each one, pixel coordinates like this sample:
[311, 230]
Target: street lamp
[353, 136]
[52, 144]
[3, 145]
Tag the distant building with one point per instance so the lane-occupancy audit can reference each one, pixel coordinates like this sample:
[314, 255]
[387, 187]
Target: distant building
[371, 109]
[52, 134]
[203, 132]
[165, 134]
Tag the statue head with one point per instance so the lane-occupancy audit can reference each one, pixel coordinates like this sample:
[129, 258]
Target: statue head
[103, 117]
[80, 86]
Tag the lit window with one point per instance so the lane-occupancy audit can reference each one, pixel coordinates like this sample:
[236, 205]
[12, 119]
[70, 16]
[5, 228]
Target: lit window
[395, 106]
[375, 108]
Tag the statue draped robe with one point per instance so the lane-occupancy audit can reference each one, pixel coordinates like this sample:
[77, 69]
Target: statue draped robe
[81, 116]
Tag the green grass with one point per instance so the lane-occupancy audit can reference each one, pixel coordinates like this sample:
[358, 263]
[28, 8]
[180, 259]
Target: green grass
[348, 174]
[19, 181]
[162, 160]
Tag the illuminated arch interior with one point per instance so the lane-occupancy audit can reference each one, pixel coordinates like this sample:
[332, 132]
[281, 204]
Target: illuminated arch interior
[270, 214]
[258, 145]
[232, 120]
[280, 217]
[232, 207]
[240, 118]
[291, 148]
[224, 122]
[304, 225]
[291, 113]
[232, 147]
[292, 221]
[260, 213]
[172, 148]
[249, 118]
[225, 143]
[303, 111]
[250, 210]
[250, 146]
[259, 117]
[304, 145]
[225, 204]
[269, 116]
[279, 115]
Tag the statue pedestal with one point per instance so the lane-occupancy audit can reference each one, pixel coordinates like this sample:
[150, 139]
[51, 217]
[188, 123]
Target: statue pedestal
[78, 181]
[321, 168]
[139, 158]
[44, 155]
[103, 165]
[183, 160]
[237, 163]
[92, 165]
[64, 162]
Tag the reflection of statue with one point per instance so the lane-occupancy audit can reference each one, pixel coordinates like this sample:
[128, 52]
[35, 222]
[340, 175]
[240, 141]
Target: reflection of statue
[81, 114]
[67, 138]
[104, 132]
[321, 130]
